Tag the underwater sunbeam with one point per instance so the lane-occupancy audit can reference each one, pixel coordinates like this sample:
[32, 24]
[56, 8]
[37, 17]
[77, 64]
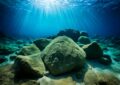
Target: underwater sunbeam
[47, 5]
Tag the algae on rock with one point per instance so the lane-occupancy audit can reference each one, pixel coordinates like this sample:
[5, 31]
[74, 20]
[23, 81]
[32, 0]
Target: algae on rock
[29, 66]
[63, 55]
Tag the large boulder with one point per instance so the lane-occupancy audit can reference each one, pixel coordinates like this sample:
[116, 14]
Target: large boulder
[100, 78]
[72, 33]
[93, 51]
[58, 81]
[84, 40]
[29, 66]
[42, 43]
[63, 55]
[29, 50]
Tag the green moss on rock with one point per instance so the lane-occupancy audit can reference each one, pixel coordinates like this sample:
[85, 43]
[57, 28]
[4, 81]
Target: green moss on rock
[29, 50]
[29, 66]
[63, 55]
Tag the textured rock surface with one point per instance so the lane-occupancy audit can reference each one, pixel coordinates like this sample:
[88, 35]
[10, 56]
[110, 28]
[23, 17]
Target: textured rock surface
[74, 34]
[107, 79]
[57, 81]
[97, 78]
[90, 78]
[93, 51]
[84, 40]
[63, 55]
[6, 75]
[42, 43]
[29, 50]
[84, 34]
[29, 66]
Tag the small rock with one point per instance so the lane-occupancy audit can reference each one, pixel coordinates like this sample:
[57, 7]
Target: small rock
[29, 50]
[90, 78]
[42, 43]
[72, 33]
[105, 60]
[84, 34]
[58, 81]
[29, 66]
[99, 78]
[63, 55]
[107, 79]
[84, 40]
[6, 75]
[93, 51]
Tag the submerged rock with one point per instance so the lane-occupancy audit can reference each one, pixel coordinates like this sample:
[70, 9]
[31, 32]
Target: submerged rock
[90, 78]
[84, 40]
[97, 78]
[58, 81]
[29, 50]
[105, 60]
[42, 43]
[63, 55]
[72, 33]
[6, 75]
[84, 34]
[93, 51]
[29, 66]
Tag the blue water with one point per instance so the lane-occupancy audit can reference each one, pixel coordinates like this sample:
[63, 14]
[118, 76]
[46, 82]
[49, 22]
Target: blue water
[29, 19]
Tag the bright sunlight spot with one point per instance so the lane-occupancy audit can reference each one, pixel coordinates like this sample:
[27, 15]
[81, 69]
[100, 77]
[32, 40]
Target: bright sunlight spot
[50, 5]
[47, 5]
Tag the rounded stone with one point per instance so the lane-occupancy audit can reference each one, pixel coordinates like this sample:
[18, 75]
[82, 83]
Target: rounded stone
[63, 55]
